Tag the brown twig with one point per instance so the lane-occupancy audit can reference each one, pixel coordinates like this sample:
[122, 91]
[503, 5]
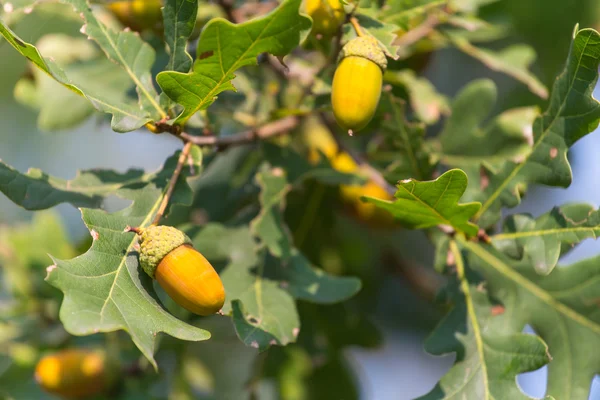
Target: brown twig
[185, 152]
[419, 32]
[266, 131]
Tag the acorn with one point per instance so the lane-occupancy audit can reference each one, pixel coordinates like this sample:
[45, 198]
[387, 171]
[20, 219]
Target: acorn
[139, 15]
[357, 83]
[76, 373]
[318, 138]
[167, 255]
[327, 16]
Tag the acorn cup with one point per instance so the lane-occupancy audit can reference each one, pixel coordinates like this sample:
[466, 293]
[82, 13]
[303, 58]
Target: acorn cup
[76, 373]
[357, 83]
[167, 255]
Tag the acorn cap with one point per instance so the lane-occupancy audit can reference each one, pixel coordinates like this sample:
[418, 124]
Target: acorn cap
[156, 242]
[366, 47]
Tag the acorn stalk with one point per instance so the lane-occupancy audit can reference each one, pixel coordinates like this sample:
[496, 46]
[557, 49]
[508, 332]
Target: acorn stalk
[167, 255]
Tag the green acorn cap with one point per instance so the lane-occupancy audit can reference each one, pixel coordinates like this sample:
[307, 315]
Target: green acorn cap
[156, 242]
[365, 47]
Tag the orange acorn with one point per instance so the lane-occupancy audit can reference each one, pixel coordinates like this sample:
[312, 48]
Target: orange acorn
[75, 373]
[166, 254]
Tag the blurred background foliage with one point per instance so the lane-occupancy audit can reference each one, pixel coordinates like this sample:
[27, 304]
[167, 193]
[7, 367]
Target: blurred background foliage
[369, 347]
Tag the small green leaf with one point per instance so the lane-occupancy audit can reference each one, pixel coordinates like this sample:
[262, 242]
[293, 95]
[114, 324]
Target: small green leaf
[224, 48]
[306, 282]
[512, 61]
[489, 356]
[542, 240]
[104, 289]
[571, 114]
[269, 225]
[36, 190]
[126, 115]
[127, 50]
[464, 142]
[179, 20]
[561, 308]
[407, 14]
[428, 104]
[404, 142]
[420, 205]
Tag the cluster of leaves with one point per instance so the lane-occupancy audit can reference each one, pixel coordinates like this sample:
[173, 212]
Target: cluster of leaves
[240, 205]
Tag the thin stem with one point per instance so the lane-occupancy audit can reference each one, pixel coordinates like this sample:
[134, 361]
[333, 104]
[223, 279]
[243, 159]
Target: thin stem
[264, 132]
[165, 201]
[356, 26]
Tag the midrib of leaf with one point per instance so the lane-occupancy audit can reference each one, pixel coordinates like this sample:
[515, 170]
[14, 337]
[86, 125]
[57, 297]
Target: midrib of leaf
[138, 84]
[464, 285]
[538, 292]
[108, 187]
[518, 167]
[124, 258]
[406, 139]
[545, 232]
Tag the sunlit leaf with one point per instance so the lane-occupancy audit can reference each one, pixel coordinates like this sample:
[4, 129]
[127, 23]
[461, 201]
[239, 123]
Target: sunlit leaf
[224, 47]
[560, 307]
[571, 114]
[127, 116]
[420, 205]
[542, 240]
[465, 140]
[489, 354]
[104, 289]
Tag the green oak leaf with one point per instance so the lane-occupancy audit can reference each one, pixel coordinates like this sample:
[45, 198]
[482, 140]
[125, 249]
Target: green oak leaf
[305, 282]
[251, 277]
[129, 51]
[269, 225]
[224, 48]
[404, 138]
[513, 61]
[407, 14]
[561, 308]
[36, 190]
[126, 115]
[544, 239]
[420, 205]
[428, 104]
[488, 355]
[179, 20]
[464, 142]
[571, 114]
[104, 289]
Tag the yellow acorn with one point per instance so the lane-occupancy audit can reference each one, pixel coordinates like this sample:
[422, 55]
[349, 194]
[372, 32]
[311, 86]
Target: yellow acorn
[138, 15]
[166, 254]
[357, 83]
[327, 16]
[75, 373]
[317, 137]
